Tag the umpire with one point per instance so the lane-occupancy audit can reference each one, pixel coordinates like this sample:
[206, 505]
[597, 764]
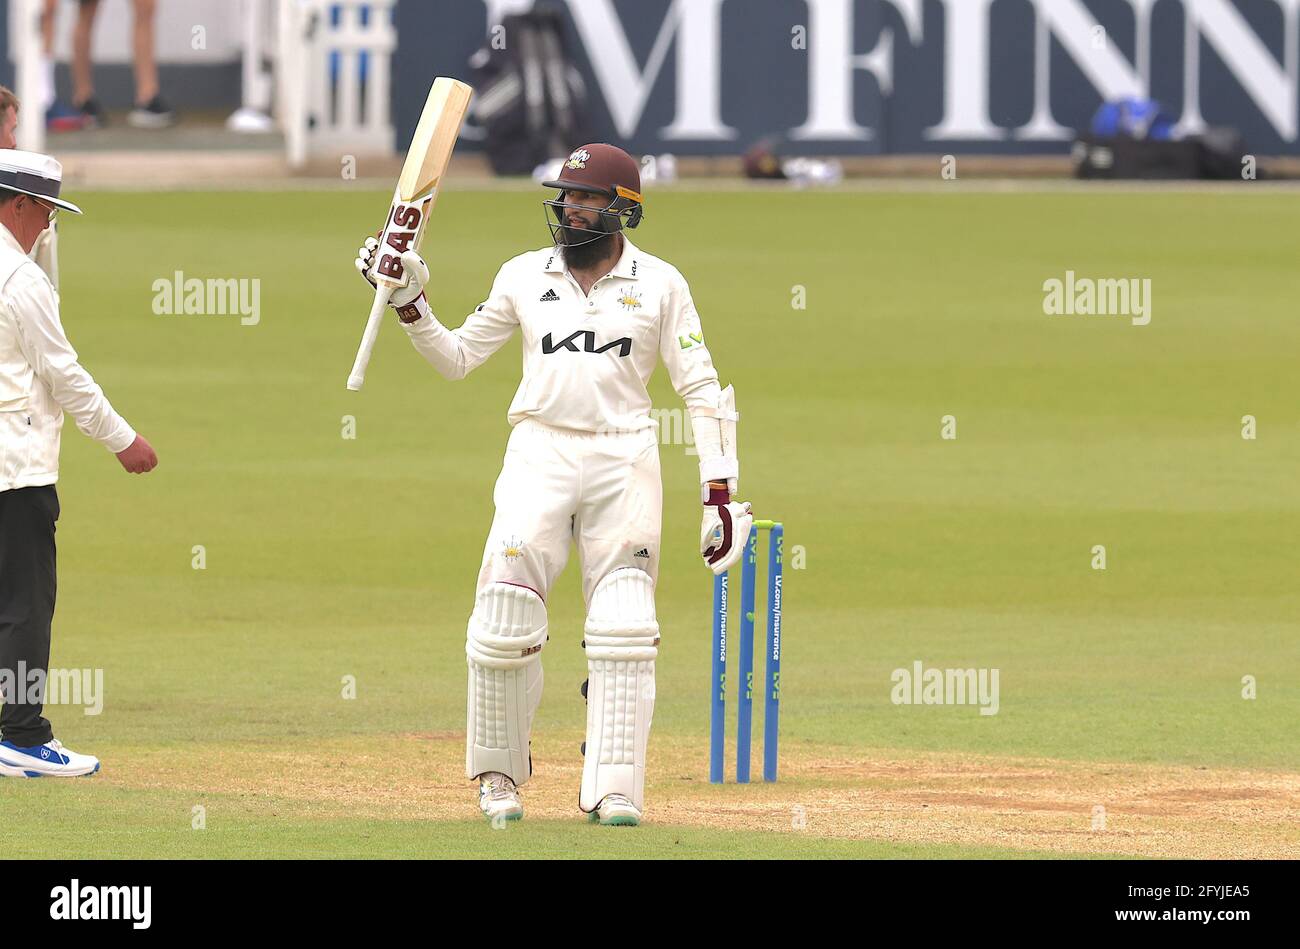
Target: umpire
[40, 379]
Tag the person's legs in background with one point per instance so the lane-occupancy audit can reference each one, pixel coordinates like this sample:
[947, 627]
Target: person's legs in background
[83, 82]
[150, 110]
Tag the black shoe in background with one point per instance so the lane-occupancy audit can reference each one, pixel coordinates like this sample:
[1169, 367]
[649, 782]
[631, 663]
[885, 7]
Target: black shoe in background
[154, 114]
[92, 113]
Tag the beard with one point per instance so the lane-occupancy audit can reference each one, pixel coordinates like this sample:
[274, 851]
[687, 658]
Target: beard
[581, 251]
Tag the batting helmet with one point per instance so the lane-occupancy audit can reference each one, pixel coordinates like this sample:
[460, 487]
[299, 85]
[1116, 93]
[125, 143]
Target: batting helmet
[599, 169]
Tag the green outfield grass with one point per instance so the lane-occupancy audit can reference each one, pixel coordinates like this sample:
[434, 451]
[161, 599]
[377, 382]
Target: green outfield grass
[329, 557]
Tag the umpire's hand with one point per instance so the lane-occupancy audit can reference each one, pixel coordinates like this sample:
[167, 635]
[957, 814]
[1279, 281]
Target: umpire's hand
[138, 457]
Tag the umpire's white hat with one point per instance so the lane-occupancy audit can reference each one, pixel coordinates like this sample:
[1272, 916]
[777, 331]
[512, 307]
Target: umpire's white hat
[35, 174]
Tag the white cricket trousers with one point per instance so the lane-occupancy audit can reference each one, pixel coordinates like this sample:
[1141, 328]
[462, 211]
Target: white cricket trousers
[602, 490]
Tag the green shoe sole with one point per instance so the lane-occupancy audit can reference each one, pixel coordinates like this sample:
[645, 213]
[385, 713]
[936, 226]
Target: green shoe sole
[621, 820]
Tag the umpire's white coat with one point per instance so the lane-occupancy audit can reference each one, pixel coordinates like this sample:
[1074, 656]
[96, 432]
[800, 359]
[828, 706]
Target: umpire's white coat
[40, 378]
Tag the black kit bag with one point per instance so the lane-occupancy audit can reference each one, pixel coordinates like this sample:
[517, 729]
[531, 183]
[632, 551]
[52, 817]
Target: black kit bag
[531, 99]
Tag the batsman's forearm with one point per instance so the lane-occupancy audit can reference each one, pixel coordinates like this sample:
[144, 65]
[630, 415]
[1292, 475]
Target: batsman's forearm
[715, 440]
[715, 464]
[440, 347]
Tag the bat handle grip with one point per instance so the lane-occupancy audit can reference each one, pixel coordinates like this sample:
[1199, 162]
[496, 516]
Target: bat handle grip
[376, 319]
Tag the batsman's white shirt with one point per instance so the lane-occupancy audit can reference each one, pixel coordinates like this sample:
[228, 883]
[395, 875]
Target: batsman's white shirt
[582, 463]
[40, 378]
[587, 358]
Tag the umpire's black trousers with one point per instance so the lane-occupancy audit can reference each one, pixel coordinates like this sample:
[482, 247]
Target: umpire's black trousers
[27, 517]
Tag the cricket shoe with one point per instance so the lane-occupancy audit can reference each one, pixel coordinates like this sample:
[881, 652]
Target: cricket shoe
[50, 760]
[616, 810]
[498, 798]
[154, 114]
[92, 113]
[62, 118]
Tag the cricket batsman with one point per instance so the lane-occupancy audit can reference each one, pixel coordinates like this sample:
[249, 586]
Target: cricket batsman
[597, 314]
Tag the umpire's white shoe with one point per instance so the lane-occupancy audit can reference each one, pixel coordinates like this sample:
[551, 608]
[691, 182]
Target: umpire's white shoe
[616, 810]
[50, 760]
[498, 798]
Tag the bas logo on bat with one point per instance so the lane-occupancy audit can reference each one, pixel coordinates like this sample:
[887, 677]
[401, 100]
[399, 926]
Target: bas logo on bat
[400, 234]
[588, 344]
[413, 198]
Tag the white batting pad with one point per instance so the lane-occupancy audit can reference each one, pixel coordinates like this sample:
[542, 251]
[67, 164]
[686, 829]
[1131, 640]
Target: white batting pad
[503, 647]
[622, 639]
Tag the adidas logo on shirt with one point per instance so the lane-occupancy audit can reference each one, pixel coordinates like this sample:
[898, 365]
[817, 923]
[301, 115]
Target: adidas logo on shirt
[643, 552]
[549, 295]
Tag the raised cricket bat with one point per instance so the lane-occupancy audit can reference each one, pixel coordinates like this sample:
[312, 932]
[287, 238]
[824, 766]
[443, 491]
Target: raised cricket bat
[417, 189]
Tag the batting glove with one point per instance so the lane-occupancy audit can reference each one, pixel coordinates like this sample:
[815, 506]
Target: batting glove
[725, 529]
[412, 263]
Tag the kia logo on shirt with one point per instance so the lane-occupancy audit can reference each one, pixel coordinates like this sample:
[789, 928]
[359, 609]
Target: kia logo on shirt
[588, 344]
